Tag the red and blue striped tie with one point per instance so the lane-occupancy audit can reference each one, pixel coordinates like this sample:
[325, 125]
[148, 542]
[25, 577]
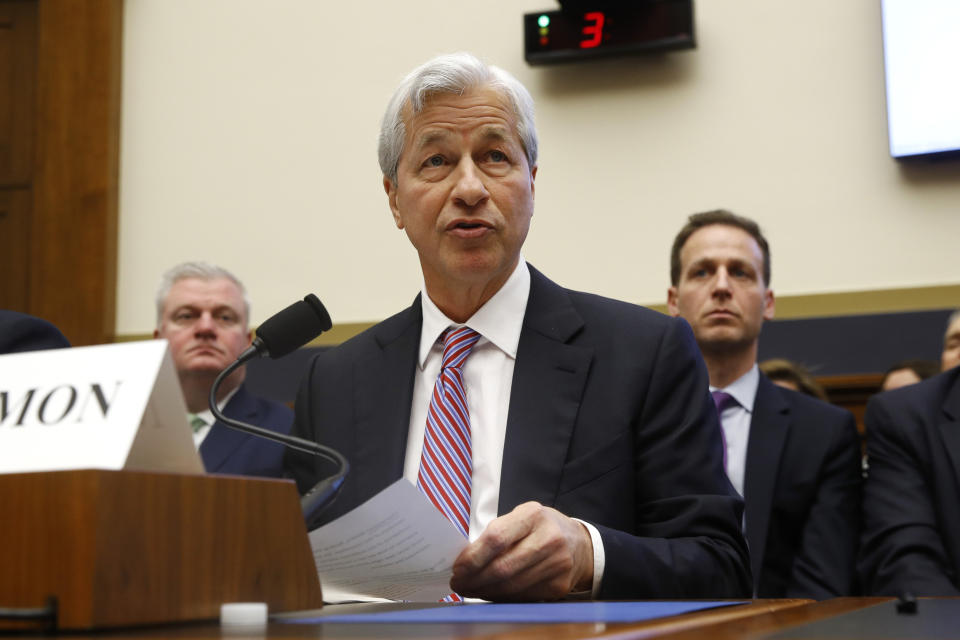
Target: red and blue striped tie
[446, 464]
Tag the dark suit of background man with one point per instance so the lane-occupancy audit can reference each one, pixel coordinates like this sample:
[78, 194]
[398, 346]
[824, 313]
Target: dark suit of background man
[21, 332]
[202, 310]
[579, 406]
[911, 502]
[795, 459]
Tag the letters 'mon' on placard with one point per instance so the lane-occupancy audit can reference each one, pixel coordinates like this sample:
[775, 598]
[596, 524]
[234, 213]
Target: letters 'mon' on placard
[62, 403]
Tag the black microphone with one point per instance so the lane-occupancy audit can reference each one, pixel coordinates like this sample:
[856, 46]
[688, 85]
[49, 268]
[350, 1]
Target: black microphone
[282, 333]
[289, 329]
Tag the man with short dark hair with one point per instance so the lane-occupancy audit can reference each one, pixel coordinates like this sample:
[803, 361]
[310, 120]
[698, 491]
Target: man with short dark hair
[795, 459]
[203, 312]
[569, 437]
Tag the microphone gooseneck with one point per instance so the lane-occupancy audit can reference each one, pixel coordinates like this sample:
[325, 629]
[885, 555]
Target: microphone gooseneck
[282, 333]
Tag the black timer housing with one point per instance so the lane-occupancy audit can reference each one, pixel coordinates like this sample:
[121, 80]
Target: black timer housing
[591, 29]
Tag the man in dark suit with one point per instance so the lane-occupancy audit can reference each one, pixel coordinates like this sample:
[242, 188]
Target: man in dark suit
[203, 311]
[795, 459]
[588, 457]
[911, 502]
[21, 332]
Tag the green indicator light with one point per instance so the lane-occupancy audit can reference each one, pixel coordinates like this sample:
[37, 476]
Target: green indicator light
[543, 21]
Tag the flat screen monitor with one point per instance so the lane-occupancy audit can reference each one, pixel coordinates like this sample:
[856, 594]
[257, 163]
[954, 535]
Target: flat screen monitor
[921, 48]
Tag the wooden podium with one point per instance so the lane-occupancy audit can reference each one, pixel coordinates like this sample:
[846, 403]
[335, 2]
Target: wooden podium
[121, 548]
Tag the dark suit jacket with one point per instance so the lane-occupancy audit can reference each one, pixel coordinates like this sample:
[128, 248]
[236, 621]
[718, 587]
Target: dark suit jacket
[802, 492]
[609, 421]
[20, 332]
[227, 450]
[911, 506]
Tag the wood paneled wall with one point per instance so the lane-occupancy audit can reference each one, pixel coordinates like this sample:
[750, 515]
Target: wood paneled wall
[59, 181]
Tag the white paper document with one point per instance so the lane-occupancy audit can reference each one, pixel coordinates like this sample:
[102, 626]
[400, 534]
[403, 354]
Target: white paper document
[396, 546]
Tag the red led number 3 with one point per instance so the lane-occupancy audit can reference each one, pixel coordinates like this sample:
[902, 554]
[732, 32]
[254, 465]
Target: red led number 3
[593, 29]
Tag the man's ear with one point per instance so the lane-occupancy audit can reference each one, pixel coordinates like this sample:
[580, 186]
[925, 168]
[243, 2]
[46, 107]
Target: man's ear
[391, 190]
[672, 308]
[156, 334]
[769, 304]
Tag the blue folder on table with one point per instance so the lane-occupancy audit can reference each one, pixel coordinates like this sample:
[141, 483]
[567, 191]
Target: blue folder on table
[540, 612]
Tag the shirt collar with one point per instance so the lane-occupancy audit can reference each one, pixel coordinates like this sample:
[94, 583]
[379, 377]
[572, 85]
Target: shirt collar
[498, 321]
[744, 388]
[208, 416]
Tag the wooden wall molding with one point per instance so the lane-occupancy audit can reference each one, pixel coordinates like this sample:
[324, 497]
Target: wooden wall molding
[852, 303]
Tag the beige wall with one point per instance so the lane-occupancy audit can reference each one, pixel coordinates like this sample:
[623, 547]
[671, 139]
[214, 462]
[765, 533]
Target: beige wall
[249, 139]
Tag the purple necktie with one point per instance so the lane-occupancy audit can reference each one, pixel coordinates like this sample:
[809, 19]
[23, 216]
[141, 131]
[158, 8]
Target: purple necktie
[723, 400]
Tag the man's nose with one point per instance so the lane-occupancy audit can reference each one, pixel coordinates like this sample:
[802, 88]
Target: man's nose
[721, 283]
[469, 189]
[205, 323]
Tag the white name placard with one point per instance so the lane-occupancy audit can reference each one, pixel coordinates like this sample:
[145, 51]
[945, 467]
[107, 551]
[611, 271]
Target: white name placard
[116, 406]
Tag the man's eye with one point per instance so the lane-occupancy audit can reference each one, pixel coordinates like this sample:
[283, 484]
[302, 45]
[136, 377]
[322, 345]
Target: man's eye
[184, 316]
[434, 161]
[227, 318]
[498, 156]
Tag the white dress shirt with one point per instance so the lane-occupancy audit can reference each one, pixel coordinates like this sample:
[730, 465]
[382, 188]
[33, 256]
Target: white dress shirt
[735, 421]
[200, 434]
[488, 379]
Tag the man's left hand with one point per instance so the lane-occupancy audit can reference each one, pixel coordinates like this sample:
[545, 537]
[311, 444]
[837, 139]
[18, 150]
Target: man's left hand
[532, 553]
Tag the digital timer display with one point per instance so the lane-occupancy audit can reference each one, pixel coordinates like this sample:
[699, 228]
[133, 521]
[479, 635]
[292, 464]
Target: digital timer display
[562, 36]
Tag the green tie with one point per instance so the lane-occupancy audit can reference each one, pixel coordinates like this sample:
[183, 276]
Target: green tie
[196, 422]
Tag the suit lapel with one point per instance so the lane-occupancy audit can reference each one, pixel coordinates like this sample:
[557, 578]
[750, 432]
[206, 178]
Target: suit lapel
[768, 433]
[383, 385]
[548, 382]
[223, 441]
[950, 426]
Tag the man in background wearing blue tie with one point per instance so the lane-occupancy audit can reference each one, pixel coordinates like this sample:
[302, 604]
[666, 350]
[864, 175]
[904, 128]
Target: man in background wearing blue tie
[794, 459]
[203, 311]
[569, 437]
